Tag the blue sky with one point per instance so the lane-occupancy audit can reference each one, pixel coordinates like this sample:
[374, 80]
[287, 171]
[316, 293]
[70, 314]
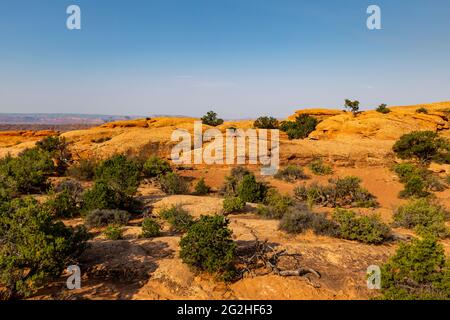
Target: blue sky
[242, 58]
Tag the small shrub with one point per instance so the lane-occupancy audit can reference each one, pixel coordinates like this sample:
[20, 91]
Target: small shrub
[84, 170]
[172, 183]
[233, 180]
[34, 247]
[297, 220]
[63, 205]
[367, 229]
[101, 218]
[424, 146]
[422, 110]
[290, 174]
[423, 216]
[275, 205]
[201, 188]
[266, 123]
[250, 190]
[179, 219]
[414, 187]
[114, 232]
[120, 174]
[417, 271]
[352, 106]
[303, 125]
[319, 168]
[339, 193]
[155, 167]
[8, 188]
[101, 196]
[57, 147]
[208, 246]
[382, 108]
[211, 119]
[233, 204]
[150, 228]
[30, 170]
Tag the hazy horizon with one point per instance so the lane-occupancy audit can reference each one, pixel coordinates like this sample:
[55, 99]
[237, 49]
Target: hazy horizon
[239, 58]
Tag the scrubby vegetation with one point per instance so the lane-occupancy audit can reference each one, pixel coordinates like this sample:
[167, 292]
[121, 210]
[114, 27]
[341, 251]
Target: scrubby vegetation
[172, 183]
[243, 184]
[29, 171]
[419, 181]
[179, 219]
[101, 218]
[422, 110]
[275, 205]
[233, 204]
[266, 123]
[424, 216]
[417, 271]
[319, 168]
[211, 119]
[382, 108]
[201, 188]
[34, 248]
[150, 228]
[303, 125]
[291, 173]
[113, 232]
[208, 246]
[155, 167]
[352, 106]
[341, 192]
[367, 229]
[84, 170]
[56, 147]
[424, 146]
[344, 224]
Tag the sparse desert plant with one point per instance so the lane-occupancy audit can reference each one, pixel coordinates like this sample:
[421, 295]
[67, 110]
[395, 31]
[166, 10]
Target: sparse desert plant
[275, 205]
[63, 205]
[211, 119]
[201, 188]
[30, 170]
[120, 174]
[113, 232]
[8, 188]
[266, 123]
[232, 204]
[352, 106]
[150, 228]
[233, 180]
[424, 216]
[34, 247]
[291, 173]
[367, 229]
[155, 167]
[250, 190]
[84, 170]
[418, 180]
[57, 147]
[208, 246]
[382, 108]
[102, 218]
[297, 220]
[303, 125]
[422, 110]
[341, 192]
[172, 183]
[102, 196]
[318, 167]
[424, 146]
[418, 271]
[179, 219]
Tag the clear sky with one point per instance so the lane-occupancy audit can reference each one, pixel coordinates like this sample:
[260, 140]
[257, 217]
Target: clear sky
[242, 58]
